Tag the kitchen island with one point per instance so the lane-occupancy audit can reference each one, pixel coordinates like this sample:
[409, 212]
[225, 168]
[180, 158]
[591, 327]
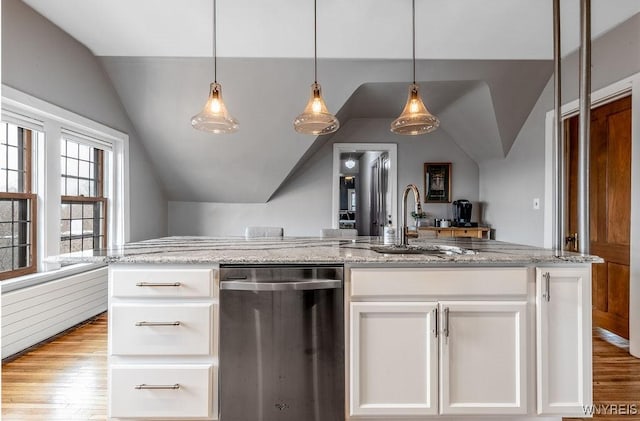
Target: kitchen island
[454, 328]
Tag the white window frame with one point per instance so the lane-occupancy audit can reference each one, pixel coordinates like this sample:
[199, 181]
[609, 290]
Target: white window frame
[54, 121]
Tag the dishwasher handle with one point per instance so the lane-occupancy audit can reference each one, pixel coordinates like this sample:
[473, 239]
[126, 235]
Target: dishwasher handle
[281, 286]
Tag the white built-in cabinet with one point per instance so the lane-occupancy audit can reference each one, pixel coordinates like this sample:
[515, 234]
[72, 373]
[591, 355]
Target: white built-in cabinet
[563, 340]
[410, 357]
[483, 357]
[394, 352]
[464, 341]
[163, 342]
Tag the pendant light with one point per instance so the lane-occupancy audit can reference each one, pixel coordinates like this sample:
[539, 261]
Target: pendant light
[214, 117]
[415, 118]
[316, 118]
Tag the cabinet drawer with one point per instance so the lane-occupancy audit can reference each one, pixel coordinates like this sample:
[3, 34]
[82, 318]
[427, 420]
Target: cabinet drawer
[444, 233]
[179, 329]
[438, 282]
[162, 391]
[163, 282]
[474, 233]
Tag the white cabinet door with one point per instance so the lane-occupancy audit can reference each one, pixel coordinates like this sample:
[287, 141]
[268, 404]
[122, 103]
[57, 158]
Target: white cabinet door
[483, 358]
[563, 333]
[394, 368]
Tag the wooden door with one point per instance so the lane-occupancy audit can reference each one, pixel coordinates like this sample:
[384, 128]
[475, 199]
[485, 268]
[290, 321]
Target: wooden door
[610, 208]
[394, 359]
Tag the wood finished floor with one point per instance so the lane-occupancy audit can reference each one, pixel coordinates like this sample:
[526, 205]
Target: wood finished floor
[66, 379]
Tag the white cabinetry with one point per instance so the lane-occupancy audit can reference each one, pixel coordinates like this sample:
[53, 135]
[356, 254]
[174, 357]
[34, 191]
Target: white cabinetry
[163, 342]
[394, 358]
[482, 340]
[563, 333]
[483, 357]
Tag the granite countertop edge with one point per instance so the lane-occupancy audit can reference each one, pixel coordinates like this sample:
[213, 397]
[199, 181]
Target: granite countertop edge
[310, 250]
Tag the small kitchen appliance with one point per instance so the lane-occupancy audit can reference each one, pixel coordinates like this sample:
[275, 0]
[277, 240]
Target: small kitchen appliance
[462, 214]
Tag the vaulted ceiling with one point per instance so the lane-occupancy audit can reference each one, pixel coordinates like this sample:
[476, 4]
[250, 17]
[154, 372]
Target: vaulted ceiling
[481, 64]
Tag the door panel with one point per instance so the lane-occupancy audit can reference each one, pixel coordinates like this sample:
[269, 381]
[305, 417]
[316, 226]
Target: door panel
[481, 341]
[394, 358]
[610, 208]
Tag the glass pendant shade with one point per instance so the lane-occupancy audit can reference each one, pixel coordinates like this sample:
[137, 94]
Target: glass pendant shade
[316, 118]
[350, 163]
[415, 118]
[214, 117]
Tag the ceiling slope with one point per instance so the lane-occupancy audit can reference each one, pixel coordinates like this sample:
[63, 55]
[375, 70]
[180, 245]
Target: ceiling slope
[161, 94]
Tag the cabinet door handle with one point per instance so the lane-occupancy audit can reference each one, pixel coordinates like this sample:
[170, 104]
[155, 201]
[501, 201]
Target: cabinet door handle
[435, 322]
[157, 386]
[445, 330]
[177, 323]
[547, 287]
[158, 284]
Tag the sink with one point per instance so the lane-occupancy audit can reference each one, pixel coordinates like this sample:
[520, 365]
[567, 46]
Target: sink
[429, 250]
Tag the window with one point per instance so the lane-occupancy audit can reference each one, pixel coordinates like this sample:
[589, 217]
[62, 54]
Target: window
[83, 224]
[17, 202]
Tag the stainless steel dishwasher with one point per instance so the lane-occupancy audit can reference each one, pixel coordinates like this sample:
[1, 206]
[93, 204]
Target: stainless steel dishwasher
[281, 343]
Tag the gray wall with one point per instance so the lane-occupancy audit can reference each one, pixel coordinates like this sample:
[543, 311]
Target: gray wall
[508, 186]
[40, 59]
[303, 206]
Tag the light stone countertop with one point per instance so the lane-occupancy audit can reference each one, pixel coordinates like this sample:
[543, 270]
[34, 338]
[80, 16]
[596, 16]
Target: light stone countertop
[301, 250]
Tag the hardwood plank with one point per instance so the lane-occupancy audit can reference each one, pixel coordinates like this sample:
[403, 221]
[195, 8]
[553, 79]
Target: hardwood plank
[65, 379]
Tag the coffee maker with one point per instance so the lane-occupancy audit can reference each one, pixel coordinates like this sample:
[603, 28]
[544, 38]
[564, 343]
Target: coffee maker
[462, 214]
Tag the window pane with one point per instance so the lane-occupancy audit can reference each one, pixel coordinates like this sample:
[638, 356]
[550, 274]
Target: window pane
[65, 211]
[88, 210]
[76, 211]
[87, 243]
[84, 170]
[65, 247]
[85, 152]
[12, 158]
[6, 262]
[65, 228]
[76, 227]
[83, 188]
[72, 167]
[76, 245]
[72, 187]
[3, 156]
[72, 149]
[87, 226]
[12, 180]
[12, 135]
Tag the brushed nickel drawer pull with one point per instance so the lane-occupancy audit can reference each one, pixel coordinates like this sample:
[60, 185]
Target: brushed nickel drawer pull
[158, 284]
[157, 386]
[158, 323]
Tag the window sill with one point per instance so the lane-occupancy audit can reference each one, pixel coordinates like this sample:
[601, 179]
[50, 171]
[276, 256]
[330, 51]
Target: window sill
[33, 279]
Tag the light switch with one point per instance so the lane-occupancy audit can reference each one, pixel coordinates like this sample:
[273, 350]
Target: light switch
[536, 203]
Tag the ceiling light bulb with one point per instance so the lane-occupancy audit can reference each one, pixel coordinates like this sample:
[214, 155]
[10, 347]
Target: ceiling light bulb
[316, 118]
[415, 118]
[350, 163]
[316, 107]
[215, 105]
[214, 117]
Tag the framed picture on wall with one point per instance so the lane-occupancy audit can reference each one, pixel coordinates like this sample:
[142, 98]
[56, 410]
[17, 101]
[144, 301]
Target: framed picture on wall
[437, 182]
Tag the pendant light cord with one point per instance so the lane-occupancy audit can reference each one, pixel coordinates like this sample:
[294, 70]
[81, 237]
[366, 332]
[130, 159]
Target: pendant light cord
[413, 32]
[215, 59]
[315, 41]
